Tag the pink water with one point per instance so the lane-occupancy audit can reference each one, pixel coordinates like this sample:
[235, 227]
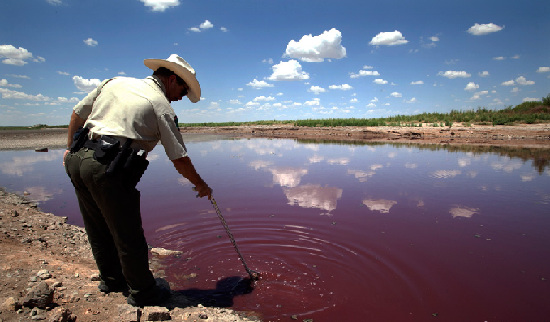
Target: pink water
[341, 232]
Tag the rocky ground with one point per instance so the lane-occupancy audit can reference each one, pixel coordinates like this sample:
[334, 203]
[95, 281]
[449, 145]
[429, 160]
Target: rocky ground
[46, 268]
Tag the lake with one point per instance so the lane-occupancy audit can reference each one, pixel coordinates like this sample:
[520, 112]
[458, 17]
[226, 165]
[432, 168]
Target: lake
[342, 231]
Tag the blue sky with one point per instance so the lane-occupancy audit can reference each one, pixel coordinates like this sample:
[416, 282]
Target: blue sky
[278, 59]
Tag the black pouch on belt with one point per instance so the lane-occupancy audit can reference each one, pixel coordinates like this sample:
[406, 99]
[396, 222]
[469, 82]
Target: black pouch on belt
[79, 138]
[106, 149]
[135, 165]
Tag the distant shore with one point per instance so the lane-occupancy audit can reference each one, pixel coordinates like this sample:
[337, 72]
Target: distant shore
[527, 135]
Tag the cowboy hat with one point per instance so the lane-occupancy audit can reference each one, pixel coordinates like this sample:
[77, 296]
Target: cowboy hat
[181, 68]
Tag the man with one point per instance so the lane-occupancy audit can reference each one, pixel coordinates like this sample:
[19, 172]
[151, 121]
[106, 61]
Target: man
[123, 119]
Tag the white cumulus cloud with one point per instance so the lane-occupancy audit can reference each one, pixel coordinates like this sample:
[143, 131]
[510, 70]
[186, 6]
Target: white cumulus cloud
[290, 70]
[451, 74]
[317, 48]
[160, 5]
[90, 42]
[363, 72]
[471, 86]
[543, 69]
[523, 81]
[9, 94]
[205, 25]
[314, 102]
[344, 87]
[484, 29]
[316, 90]
[520, 81]
[380, 81]
[264, 99]
[391, 38]
[478, 95]
[14, 56]
[4, 82]
[417, 83]
[259, 84]
[396, 94]
[85, 85]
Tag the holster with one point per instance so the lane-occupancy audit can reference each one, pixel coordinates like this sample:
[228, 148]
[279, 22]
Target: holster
[128, 163]
[135, 165]
[79, 138]
[106, 148]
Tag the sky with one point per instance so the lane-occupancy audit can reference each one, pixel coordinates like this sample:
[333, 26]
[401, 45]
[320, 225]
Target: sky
[278, 59]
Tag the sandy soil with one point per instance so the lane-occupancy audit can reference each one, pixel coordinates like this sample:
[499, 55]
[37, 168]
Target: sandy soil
[38, 248]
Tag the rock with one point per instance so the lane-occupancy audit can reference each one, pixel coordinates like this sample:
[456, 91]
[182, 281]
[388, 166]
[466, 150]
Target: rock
[40, 296]
[128, 313]
[60, 314]
[164, 252]
[57, 284]
[156, 313]
[41, 150]
[11, 304]
[43, 274]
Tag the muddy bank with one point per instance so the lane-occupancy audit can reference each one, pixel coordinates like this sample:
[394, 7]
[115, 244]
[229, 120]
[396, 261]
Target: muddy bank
[535, 135]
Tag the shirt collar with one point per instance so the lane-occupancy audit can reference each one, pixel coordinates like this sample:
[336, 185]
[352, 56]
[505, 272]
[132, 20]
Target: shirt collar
[157, 81]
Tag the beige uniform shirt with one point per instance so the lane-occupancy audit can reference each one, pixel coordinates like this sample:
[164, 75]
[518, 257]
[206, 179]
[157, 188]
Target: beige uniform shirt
[127, 107]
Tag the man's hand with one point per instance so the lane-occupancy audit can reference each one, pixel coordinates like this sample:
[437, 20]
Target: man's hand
[185, 167]
[203, 190]
[65, 155]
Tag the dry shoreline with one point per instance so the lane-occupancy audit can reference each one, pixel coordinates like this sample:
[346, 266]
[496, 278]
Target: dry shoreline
[38, 248]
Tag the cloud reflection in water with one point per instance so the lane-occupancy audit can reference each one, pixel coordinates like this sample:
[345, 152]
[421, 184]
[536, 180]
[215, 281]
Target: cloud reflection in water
[313, 196]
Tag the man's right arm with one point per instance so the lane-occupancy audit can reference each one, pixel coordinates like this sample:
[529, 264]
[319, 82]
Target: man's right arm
[185, 168]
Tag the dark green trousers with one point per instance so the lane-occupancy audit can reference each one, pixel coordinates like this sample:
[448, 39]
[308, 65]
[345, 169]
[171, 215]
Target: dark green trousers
[110, 207]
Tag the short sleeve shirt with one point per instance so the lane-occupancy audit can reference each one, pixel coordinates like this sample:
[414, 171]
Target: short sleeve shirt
[133, 108]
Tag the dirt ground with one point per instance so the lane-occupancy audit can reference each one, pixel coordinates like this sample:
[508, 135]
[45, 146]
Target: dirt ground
[529, 135]
[40, 252]
[526, 135]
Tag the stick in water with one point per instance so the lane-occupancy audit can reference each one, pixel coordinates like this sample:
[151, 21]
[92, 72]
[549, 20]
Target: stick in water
[253, 274]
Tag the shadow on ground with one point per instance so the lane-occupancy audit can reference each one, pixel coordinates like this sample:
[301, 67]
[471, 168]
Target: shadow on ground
[222, 296]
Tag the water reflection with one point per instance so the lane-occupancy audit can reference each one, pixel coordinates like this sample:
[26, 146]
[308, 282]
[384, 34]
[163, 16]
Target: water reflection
[462, 211]
[23, 163]
[287, 176]
[340, 230]
[381, 205]
[313, 196]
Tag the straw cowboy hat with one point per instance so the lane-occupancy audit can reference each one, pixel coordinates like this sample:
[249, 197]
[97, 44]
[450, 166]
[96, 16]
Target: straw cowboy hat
[181, 68]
